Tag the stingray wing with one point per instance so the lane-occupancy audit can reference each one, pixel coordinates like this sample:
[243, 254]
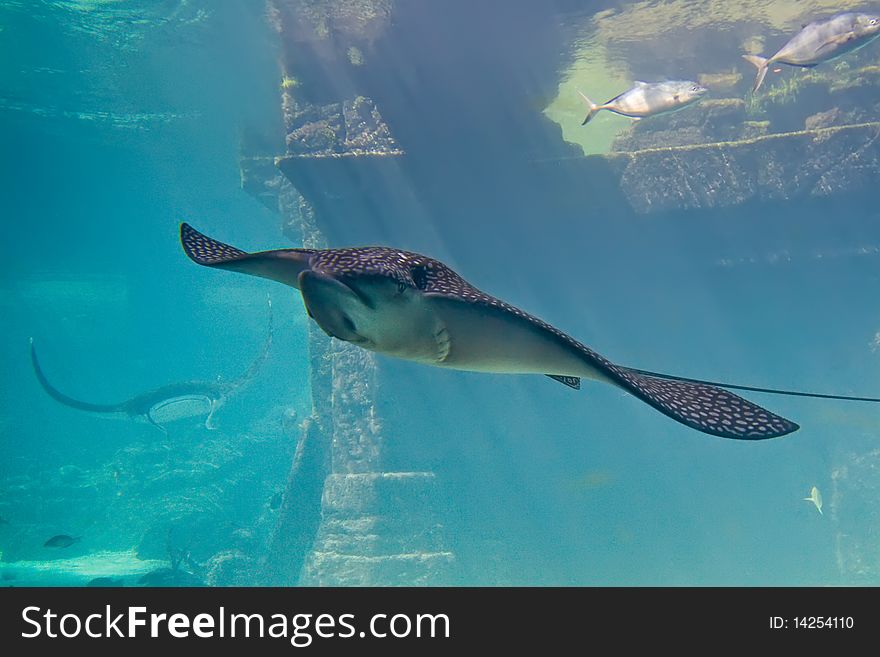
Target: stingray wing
[703, 407]
[282, 265]
[706, 408]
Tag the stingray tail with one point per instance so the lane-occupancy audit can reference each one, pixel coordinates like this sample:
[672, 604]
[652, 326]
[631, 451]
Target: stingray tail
[703, 407]
[592, 108]
[761, 63]
[60, 397]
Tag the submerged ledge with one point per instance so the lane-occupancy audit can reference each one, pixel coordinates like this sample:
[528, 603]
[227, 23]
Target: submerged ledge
[686, 148]
[814, 133]
[338, 156]
[814, 162]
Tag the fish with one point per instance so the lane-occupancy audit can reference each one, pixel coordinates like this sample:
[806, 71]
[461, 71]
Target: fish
[165, 577]
[821, 41]
[62, 541]
[816, 498]
[101, 582]
[409, 306]
[166, 403]
[649, 99]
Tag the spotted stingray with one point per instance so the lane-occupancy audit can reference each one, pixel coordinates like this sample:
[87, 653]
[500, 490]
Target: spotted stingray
[409, 306]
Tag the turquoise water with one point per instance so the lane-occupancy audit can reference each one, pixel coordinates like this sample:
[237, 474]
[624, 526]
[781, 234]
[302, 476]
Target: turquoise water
[120, 119]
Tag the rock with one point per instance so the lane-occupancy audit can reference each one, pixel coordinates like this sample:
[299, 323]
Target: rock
[854, 509]
[707, 121]
[818, 162]
[822, 119]
[231, 568]
[261, 179]
[379, 529]
[418, 569]
[340, 22]
[352, 127]
[724, 81]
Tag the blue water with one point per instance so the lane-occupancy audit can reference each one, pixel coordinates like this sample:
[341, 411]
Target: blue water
[118, 120]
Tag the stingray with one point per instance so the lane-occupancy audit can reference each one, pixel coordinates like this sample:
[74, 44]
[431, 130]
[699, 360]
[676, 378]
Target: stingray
[410, 306]
[167, 403]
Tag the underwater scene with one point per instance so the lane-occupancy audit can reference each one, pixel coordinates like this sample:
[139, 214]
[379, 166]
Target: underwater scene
[282, 279]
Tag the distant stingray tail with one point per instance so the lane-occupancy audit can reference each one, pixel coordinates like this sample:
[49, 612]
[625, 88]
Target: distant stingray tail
[60, 397]
[260, 360]
[592, 108]
[704, 407]
[761, 63]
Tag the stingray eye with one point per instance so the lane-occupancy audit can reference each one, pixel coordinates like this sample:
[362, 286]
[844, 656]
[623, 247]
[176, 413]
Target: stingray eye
[420, 276]
[401, 287]
[873, 21]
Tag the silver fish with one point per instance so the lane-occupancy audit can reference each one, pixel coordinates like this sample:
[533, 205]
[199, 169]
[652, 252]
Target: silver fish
[409, 306]
[816, 498]
[821, 41]
[649, 99]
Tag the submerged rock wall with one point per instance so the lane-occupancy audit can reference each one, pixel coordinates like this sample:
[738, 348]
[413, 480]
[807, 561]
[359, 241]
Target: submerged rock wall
[816, 162]
[855, 512]
[361, 155]
[343, 519]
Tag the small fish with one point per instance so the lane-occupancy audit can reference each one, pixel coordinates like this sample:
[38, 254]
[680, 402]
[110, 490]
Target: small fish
[821, 41]
[164, 577]
[100, 582]
[816, 498]
[275, 501]
[649, 99]
[61, 541]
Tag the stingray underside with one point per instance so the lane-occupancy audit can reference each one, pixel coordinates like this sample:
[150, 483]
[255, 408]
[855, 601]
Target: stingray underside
[491, 329]
[488, 335]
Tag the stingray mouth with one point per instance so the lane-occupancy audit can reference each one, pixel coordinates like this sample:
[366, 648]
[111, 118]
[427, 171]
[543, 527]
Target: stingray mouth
[341, 327]
[351, 333]
[339, 305]
[344, 328]
[368, 289]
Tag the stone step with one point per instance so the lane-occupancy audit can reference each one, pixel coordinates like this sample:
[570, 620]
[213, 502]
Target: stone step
[414, 569]
[379, 528]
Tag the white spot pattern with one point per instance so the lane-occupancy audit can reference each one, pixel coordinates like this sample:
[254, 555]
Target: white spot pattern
[703, 407]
